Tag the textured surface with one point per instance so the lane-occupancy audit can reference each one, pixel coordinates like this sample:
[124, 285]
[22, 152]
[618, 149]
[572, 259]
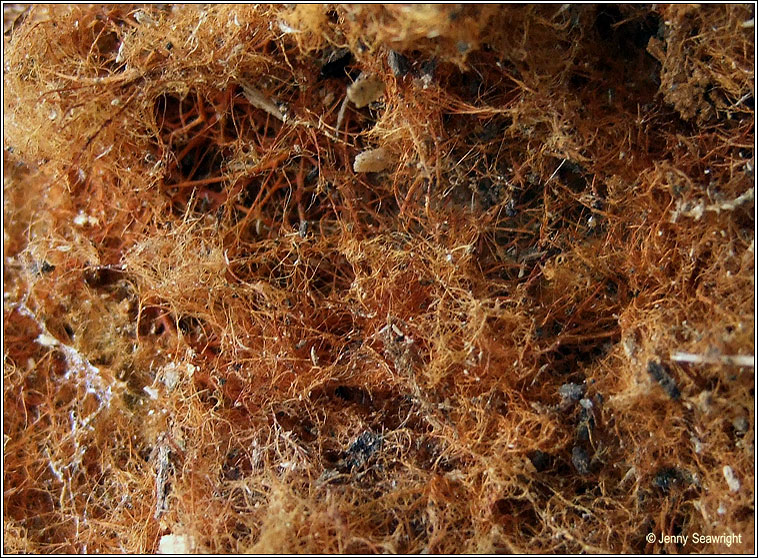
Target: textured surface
[531, 332]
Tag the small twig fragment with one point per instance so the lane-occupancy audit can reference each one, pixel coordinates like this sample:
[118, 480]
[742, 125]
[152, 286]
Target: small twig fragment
[259, 100]
[747, 361]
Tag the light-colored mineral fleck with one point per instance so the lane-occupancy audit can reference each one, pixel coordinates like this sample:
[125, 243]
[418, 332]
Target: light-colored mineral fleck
[170, 375]
[365, 90]
[698, 445]
[83, 220]
[176, 544]
[731, 479]
[46, 340]
[371, 160]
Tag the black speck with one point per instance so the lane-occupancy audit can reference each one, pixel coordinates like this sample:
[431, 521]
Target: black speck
[571, 391]
[540, 460]
[580, 460]
[361, 450]
[667, 478]
[312, 175]
[169, 46]
[611, 288]
[428, 68]
[336, 63]
[659, 374]
[489, 193]
[399, 64]
[343, 392]
[510, 210]
[98, 277]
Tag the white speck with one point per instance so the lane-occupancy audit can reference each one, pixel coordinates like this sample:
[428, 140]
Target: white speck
[120, 54]
[698, 444]
[152, 392]
[144, 18]
[108, 150]
[287, 29]
[170, 376]
[722, 509]
[46, 340]
[314, 357]
[176, 544]
[731, 479]
[449, 257]
[82, 220]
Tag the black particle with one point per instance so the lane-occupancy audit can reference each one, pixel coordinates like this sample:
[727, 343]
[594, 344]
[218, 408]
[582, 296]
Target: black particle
[428, 68]
[540, 460]
[667, 478]
[580, 460]
[571, 391]
[361, 450]
[660, 375]
[336, 63]
[399, 64]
